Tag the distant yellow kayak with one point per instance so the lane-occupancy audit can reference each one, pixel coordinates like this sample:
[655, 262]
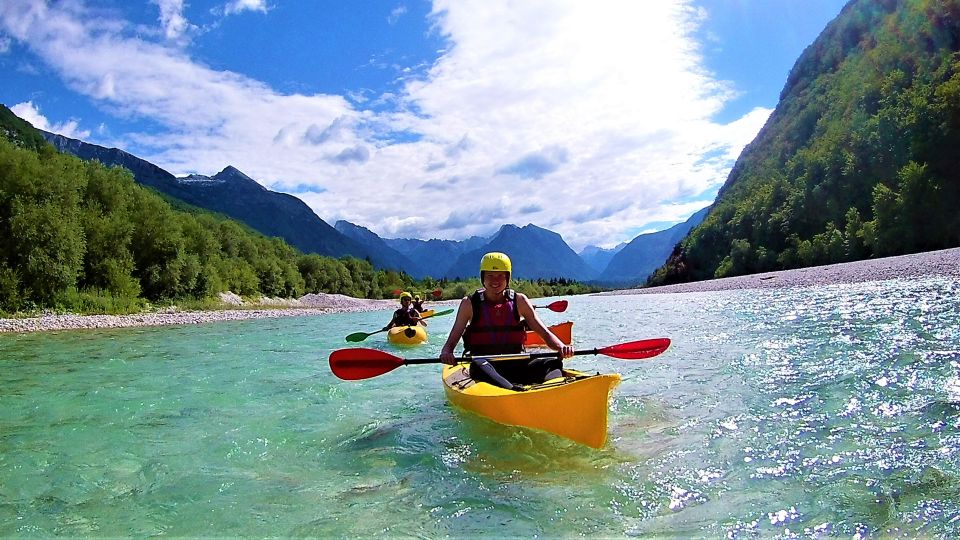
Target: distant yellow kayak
[574, 407]
[407, 335]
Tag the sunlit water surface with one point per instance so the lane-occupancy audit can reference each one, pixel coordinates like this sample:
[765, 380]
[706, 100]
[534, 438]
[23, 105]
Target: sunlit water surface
[821, 412]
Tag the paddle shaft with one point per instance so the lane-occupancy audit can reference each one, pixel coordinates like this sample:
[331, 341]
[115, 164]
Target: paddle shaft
[362, 363]
[501, 357]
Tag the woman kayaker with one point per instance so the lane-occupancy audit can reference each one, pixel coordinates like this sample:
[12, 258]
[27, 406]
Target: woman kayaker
[491, 321]
[406, 315]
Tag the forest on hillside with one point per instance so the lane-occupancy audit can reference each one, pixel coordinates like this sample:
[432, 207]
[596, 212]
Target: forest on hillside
[860, 158]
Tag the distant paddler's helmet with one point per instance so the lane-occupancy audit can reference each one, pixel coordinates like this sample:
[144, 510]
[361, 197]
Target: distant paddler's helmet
[405, 295]
[496, 262]
[416, 298]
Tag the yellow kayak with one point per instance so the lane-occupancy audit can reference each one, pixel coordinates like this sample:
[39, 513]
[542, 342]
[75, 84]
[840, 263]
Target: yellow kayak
[407, 335]
[574, 407]
[427, 313]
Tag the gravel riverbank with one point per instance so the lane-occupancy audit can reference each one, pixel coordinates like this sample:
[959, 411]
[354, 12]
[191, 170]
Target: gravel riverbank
[932, 263]
[311, 304]
[935, 263]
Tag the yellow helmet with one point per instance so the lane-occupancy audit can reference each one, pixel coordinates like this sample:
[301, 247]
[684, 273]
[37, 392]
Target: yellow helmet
[416, 297]
[495, 262]
[405, 295]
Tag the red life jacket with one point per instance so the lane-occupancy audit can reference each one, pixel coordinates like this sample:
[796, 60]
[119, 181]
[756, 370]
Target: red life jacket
[494, 328]
[404, 317]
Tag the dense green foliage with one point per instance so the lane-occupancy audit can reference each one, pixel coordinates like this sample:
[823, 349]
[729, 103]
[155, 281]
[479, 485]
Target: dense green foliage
[79, 236]
[860, 158]
[82, 236]
[19, 131]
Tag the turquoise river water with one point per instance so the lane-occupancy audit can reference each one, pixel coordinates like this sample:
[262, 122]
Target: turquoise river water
[816, 412]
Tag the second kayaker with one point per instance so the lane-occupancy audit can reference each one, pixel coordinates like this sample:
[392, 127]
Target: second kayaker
[406, 315]
[418, 304]
[491, 321]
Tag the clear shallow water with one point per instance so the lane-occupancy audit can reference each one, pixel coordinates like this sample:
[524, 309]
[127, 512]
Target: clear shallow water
[832, 411]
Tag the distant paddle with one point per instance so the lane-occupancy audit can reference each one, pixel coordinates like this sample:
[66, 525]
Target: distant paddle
[438, 293]
[559, 306]
[360, 336]
[362, 363]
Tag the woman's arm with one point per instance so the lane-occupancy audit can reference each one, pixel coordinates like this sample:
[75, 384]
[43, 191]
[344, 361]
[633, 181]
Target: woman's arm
[464, 314]
[392, 323]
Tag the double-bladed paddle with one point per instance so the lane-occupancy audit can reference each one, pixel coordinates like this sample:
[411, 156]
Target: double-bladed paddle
[362, 363]
[360, 336]
[559, 306]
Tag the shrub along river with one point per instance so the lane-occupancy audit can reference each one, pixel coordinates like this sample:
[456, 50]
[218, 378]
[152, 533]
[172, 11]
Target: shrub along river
[825, 411]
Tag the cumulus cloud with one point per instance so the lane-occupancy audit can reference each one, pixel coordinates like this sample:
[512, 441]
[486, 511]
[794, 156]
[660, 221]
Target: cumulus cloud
[355, 154]
[458, 148]
[537, 164]
[317, 135]
[29, 112]
[486, 216]
[599, 102]
[175, 25]
[239, 6]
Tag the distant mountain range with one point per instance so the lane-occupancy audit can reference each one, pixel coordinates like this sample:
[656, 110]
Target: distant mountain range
[645, 253]
[234, 194]
[437, 255]
[597, 257]
[536, 252]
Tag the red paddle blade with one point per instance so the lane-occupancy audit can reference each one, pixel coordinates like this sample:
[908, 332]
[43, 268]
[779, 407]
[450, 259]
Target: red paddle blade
[437, 293]
[361, 363]
[637, 350]
[559, 306]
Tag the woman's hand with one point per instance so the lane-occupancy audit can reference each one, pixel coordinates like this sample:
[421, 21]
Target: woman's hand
[448, 358]
[565, 351]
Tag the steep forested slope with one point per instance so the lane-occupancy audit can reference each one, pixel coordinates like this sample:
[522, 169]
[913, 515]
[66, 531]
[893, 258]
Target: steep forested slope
[859, 159]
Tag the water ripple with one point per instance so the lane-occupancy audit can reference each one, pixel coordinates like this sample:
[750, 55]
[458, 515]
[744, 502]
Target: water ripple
[817, 412]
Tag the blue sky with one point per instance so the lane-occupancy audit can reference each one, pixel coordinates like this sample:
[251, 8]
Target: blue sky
[445, 119]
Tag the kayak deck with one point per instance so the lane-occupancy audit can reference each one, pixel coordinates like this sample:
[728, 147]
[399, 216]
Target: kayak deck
[574, 407]
[407, 335]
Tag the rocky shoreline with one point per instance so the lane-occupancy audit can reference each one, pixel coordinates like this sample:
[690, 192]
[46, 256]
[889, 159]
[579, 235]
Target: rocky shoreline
[311, 304]
[945, 263]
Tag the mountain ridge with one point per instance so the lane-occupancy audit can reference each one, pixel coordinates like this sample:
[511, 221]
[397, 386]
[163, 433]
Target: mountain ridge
[231, 193]
[536, 253]
[634, 263]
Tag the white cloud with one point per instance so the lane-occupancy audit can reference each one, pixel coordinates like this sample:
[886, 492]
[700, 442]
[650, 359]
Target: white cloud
[596, 113]
[238, 6]
[396, 13]
[29, 112]
[175, 25]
